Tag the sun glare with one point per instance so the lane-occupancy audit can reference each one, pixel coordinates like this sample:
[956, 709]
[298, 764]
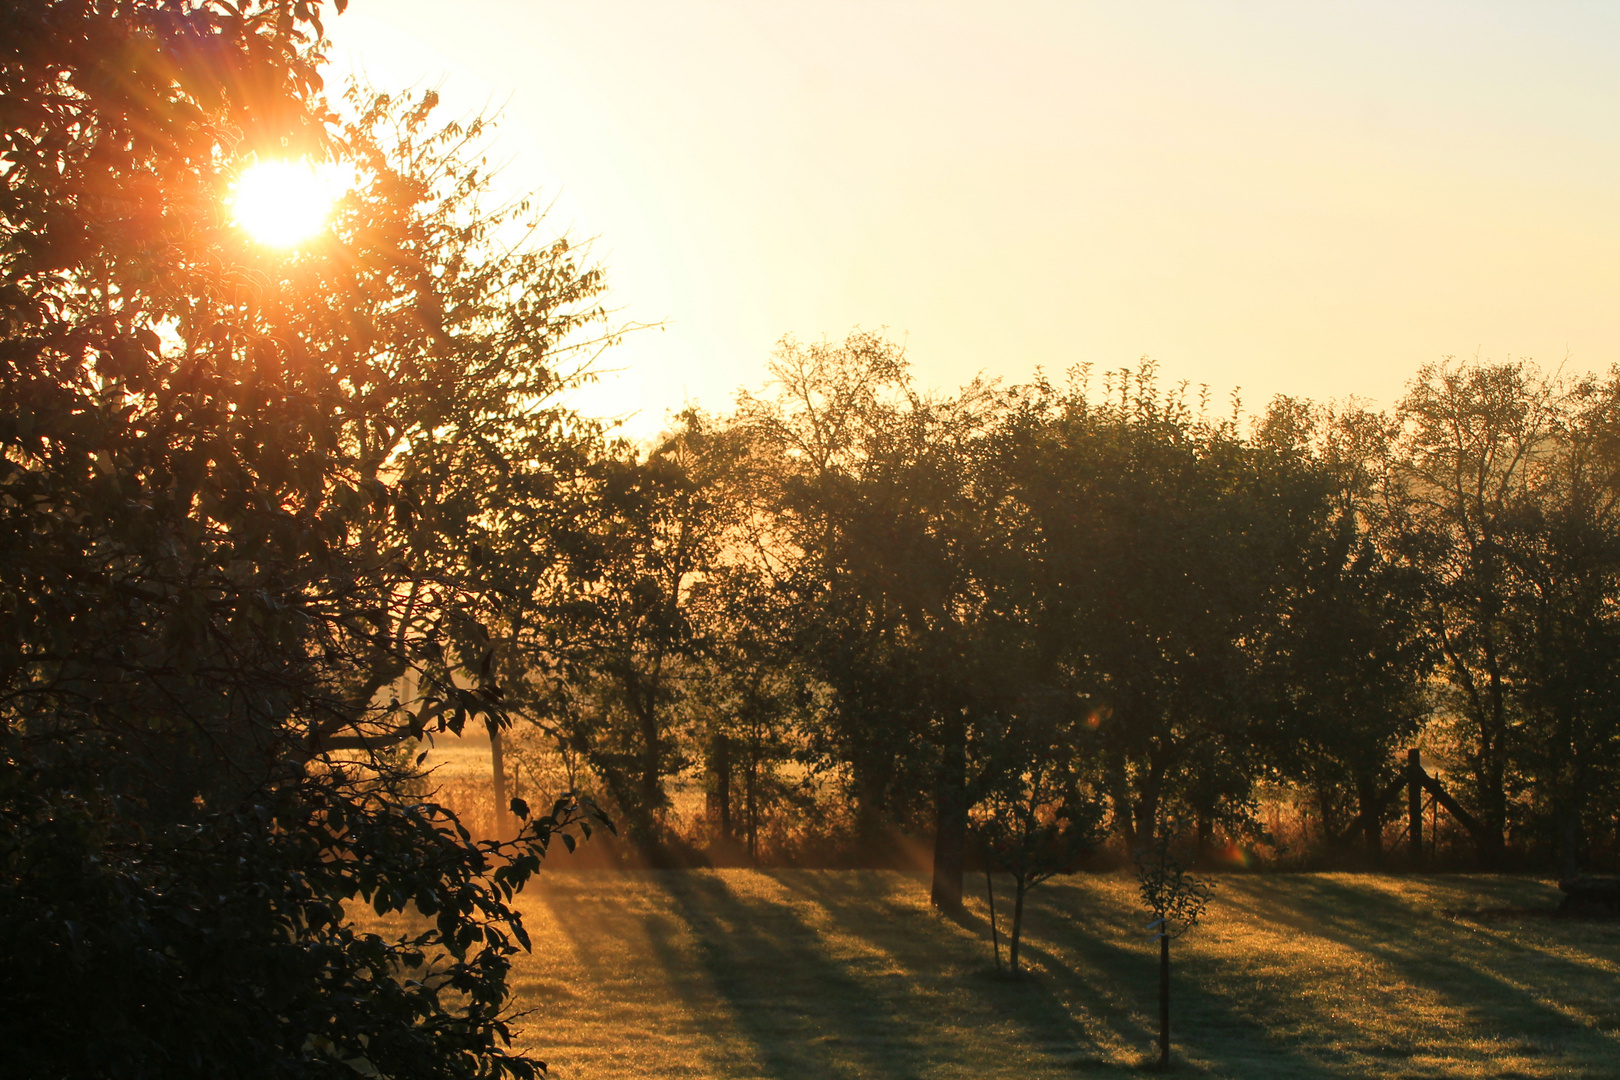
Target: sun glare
[282, 203]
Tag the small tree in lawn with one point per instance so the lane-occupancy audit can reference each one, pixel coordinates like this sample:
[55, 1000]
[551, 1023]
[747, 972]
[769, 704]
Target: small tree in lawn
[1037, 819]
[1177, 900]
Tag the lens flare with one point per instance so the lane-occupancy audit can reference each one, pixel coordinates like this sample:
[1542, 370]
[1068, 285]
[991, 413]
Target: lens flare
[282, 203]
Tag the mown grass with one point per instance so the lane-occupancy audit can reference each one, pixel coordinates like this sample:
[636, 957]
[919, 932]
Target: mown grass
[823, 974]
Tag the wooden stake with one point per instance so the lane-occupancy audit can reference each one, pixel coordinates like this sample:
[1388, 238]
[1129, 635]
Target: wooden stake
[1164, 997]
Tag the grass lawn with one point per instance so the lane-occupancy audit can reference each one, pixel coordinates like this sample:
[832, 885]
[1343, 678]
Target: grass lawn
[830, 975]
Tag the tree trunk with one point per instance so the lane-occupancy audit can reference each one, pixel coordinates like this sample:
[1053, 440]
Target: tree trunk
[1493, 767]
[1485, 707]
[871, 786]
[497, 761]
[1021, 886]
[1327, 811]
[719, 795]
[1414, 805]
[990, 892]
[1570, 787]
[650, 784]
[1569, 836]
[750, 806]
[1372, 816]
[1125, 817]
[1149, 795]
[1147, 814]
[1493, 808]
[950, 824]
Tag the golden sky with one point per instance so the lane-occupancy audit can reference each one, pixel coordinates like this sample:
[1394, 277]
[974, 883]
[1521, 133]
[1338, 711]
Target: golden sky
[1301, 198]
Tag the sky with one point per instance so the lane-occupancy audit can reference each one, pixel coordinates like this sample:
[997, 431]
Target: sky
[1276, 198]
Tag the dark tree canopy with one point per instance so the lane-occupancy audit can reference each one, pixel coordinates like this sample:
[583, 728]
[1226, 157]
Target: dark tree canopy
[1227, 607]
[242, 493]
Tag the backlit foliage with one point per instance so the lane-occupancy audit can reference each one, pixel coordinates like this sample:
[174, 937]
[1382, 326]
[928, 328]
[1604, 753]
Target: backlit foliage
[244, 491]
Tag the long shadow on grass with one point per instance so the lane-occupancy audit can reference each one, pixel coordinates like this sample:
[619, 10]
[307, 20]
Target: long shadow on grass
[1449, 961]
[1088, 938]
[1090, 1002]
[1038, 1011]
[809, 974]
[805, 1013]
[1439, 955]
[737, 980]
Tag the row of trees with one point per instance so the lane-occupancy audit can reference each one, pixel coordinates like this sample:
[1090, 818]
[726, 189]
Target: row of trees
[1106, 603]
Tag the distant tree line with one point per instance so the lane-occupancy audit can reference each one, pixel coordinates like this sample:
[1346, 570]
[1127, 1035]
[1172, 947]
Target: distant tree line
[918, 606]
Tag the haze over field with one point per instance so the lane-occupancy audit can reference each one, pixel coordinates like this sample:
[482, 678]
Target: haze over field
[1300, 199]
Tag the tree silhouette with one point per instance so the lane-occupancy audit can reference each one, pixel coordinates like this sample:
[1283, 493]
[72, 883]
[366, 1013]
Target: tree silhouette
[242, 493]
[1035, 816]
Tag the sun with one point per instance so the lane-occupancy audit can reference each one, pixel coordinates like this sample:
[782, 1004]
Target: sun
[282, 203]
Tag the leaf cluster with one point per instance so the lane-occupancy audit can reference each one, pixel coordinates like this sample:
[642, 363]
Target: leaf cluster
[262, 516]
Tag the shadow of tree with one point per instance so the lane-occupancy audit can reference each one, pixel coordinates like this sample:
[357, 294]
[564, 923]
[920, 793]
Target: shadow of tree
[1066, 1020]
[809, 1011]
[844, 974]
[1500, 980]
